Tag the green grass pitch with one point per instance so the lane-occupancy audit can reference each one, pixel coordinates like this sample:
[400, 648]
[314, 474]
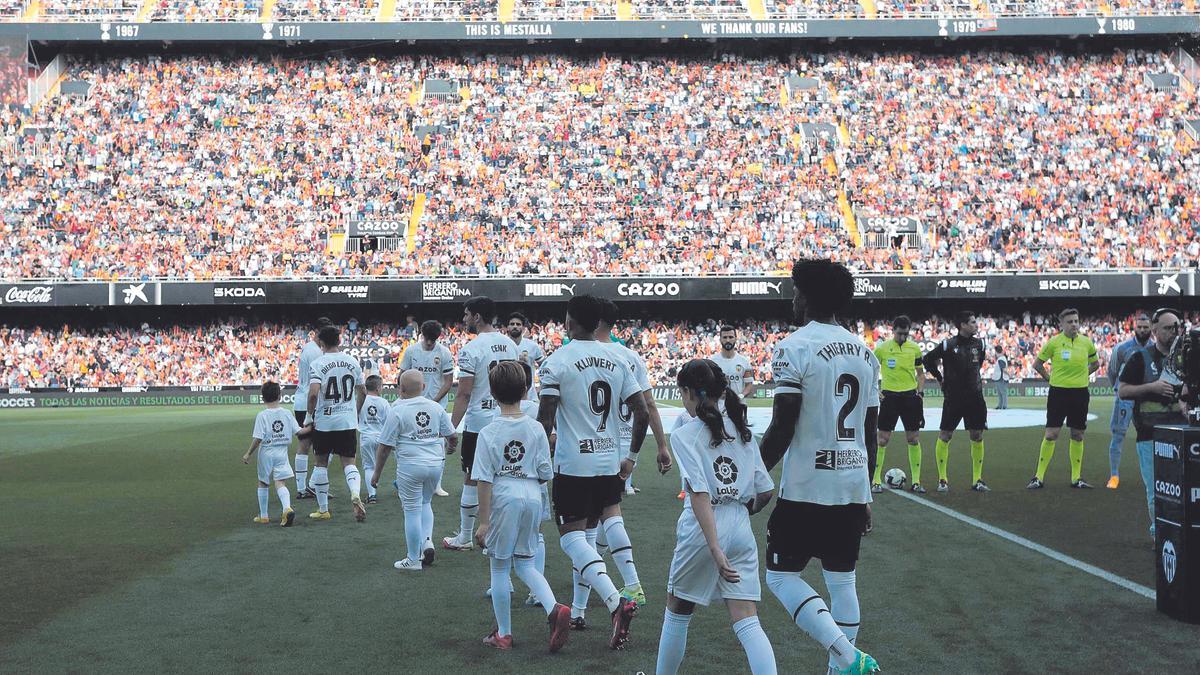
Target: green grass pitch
[126, 546]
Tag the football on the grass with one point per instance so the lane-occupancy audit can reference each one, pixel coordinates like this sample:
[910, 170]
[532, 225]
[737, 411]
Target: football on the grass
[895, 478]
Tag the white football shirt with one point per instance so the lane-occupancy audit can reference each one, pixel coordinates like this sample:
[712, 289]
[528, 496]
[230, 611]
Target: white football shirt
[275, 428]
[637, 366]
[514, 456]
[338, 375]
[415, 427]
[475, 360]
[838, 376]
[530, 352]
[309, 353]
[434, 364]
[591, 380]
[735, 370]
[373, 416]
[731, 473]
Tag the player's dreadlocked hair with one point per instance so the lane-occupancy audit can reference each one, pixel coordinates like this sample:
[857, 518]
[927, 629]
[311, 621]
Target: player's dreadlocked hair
[704, 377]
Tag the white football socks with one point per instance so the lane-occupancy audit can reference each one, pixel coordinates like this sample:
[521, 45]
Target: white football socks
[843, 603]
[263, 495]
[301, 472]
[285, 497]
[412, 531]
[502, 596]
[672, 642]
[468, 508]
[528, 572]
[539, 555]
[758, 648]
[427, 522]
[353, 480]
[621, 549]
[809, 612]
[591, 567]
[320, 484]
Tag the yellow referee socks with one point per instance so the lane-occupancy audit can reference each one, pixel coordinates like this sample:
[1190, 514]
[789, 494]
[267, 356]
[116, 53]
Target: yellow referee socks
[879, 465]
[941, 453]
[1044, 458]
[976, 461]
[1076, 459]
[914, 461]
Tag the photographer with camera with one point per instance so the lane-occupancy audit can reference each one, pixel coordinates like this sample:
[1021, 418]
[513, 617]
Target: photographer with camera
[1156, 399]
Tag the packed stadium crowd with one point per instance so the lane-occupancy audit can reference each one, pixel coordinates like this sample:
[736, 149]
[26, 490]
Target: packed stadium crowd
[238, 352]
[571, 10]
[205, 166]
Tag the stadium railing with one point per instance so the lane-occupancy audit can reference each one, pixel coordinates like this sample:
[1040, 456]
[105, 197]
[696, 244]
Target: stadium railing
[601, 275]
[458, 11]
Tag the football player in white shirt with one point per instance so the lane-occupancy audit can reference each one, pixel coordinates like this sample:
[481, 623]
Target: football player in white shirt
[434, 361]
[583, 384]
[609, 316]
[474, 406]
[528, 351]
[371, 418]
[716, 555]
[311, 350]
[736, 367]
[823, 426]
[335, 398]
[512, 462]
[273, 431]
[415, 429]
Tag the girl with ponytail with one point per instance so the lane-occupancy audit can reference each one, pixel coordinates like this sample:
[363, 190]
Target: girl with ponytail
[716, 555]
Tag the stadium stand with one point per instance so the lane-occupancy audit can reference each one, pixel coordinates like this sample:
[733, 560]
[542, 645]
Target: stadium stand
[202, 166]
[234, 351]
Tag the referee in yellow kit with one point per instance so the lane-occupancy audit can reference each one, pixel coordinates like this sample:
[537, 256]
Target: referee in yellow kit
[902, 373]
[1072, 358]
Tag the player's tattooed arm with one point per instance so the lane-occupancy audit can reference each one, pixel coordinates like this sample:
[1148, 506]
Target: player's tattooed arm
[253, 446]
[547, 410]
[640, 421]
[360, 395]
[462, 399]
[314, 390]
[785, 414]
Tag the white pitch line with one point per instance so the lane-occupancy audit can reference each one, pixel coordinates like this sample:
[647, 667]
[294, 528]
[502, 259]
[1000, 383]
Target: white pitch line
[1033, 546]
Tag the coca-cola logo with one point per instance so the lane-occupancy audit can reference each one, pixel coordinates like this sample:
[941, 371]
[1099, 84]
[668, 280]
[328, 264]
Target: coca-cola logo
[32, 295]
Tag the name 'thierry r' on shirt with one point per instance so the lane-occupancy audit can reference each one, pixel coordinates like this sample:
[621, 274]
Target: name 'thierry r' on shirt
[838, 377]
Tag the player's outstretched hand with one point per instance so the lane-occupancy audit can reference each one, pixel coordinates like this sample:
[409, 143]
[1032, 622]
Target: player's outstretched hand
[451, 445]
[727, 572]
[481, 531]
[664, 460]
[870, 521]
[626, 469]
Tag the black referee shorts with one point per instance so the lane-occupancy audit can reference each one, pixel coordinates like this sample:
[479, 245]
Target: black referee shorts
[1070, 404]
[904, 406]
[800, 531]
[970, 409]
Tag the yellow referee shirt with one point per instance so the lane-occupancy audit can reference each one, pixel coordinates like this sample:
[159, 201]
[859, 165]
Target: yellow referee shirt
[1069, 360]
[898, 365]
